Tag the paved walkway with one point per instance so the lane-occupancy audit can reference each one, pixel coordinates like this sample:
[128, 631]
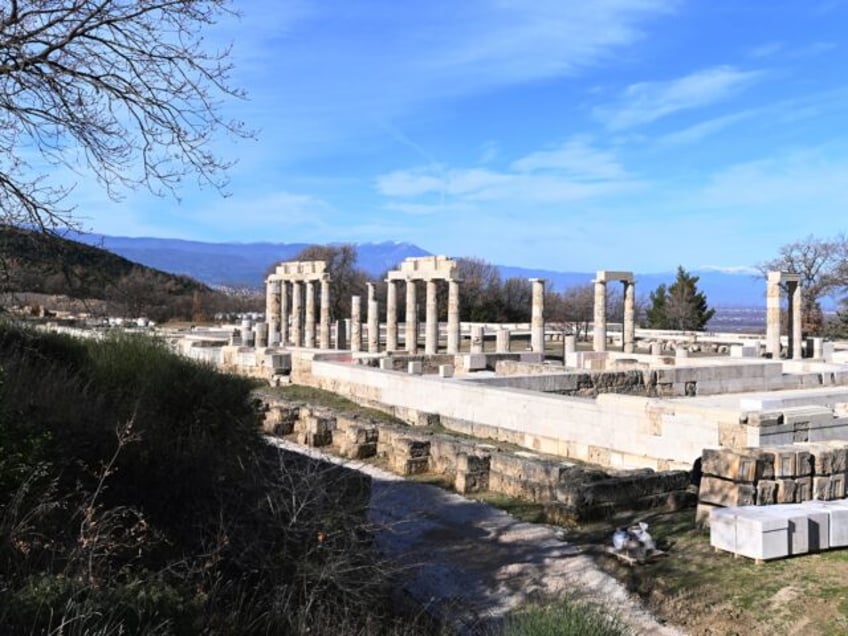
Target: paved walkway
[470, 563]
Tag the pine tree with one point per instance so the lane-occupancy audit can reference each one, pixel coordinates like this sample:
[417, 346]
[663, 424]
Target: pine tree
[680, 306]
[656, 313]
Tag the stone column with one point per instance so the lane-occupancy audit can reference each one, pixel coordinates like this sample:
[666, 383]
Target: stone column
[569, 344]
[502, 340]
[773, 315]
[411, 319]
[373, 320]
[309, 329]
[818, 348]
[356, 323]
[391, 316]
[477, 339]
[272, 310]
[537, 317]
[453, 317]
[284, 313]
[341, 334]
[795, 342]
[629, 334]
[297, 314]
[600, 325]
[431, 329]
[260, 335]
[324, 327]
[246, 332]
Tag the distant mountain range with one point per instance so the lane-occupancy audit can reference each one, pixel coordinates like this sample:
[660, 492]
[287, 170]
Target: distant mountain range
[235, 264]
[244, 264]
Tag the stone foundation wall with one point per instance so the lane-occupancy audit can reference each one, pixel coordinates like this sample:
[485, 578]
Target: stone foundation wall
[568, 491]
[614, 430]
[638, 376]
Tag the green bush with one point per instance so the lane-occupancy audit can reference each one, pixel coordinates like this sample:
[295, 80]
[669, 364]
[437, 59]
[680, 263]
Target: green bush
[138, 496]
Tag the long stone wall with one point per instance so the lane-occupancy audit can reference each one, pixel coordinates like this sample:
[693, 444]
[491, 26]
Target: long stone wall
[612, 430]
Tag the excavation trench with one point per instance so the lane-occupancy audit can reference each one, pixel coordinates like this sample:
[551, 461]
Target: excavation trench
[469, 564]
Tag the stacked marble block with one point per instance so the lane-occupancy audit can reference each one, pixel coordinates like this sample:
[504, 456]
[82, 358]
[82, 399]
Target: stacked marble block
[777, 502]
[779, 531]
[792, 473]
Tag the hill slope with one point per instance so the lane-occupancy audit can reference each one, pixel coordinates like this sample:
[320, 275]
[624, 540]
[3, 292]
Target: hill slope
[48, 264]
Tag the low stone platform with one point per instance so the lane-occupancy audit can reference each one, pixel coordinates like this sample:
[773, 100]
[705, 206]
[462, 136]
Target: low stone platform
[784, 530]
[569, 491]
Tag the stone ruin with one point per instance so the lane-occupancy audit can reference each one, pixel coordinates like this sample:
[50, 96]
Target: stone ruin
[600, 324]
[290, 288]
[770, 432]
[773, 327]
[568, 491]
[431, 270]
[290, 311]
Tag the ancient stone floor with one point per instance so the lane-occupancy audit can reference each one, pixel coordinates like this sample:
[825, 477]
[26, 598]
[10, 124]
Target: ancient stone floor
[470, 563]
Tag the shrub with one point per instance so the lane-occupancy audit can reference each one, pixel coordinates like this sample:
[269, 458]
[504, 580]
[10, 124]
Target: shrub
[137, 495]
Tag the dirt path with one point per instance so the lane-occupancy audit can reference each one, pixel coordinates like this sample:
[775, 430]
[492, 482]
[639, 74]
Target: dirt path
[470, 563]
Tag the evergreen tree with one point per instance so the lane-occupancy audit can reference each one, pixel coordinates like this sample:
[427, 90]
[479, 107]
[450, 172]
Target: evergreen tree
[680, 306]
[656, 313]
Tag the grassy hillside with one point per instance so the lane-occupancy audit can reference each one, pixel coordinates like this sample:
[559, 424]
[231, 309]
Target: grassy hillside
[137, 496]
[48, 264]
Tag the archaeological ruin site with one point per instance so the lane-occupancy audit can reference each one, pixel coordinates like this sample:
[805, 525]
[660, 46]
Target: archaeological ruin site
[628, 419]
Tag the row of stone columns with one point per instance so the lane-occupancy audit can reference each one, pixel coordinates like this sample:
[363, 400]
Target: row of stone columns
[302, 313]
[431, 318]
[295, 283]
[431, 327]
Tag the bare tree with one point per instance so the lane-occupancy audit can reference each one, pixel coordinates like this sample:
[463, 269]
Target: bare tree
[481, 283]
[123, 89]
[821, 264]
[516, 299]
[578, 308]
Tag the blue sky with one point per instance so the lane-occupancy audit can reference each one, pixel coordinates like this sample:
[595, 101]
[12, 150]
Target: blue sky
[566, 135]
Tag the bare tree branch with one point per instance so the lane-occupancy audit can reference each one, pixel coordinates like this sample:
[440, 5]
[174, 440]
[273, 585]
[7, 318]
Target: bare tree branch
[124, 88]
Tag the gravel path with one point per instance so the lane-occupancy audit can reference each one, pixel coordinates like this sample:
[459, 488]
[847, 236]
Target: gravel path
[470, 563]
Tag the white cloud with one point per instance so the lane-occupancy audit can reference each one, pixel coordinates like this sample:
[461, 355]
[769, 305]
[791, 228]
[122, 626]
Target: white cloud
[573, 171]
[489, 152]
[576, 159]
[409, 183]
[808, 181]
[768, 49]
[704, 129]
[272, 214]
[646, 102]
[505, 42]
[426, 209]
[331, 79]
